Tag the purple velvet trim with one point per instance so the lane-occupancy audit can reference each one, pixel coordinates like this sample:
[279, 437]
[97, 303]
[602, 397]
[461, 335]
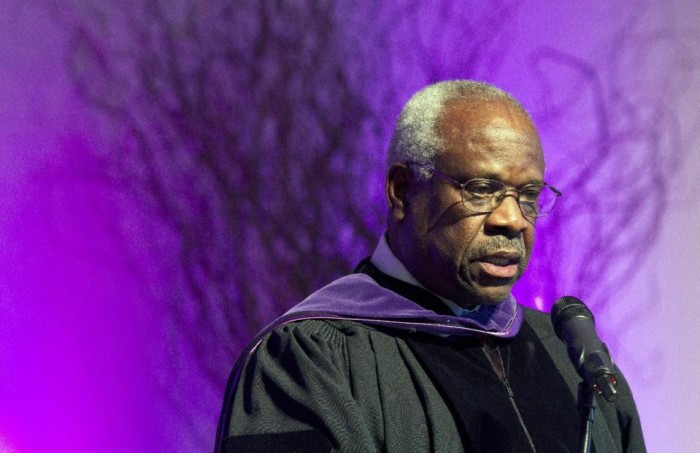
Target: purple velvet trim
[357, 297]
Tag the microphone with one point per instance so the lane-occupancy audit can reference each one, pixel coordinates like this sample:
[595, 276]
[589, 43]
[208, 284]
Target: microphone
[574, 325]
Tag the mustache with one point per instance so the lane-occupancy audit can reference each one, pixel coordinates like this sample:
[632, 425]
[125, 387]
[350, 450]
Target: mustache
[498, 243]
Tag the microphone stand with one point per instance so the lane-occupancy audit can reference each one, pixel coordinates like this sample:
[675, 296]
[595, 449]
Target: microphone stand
[586, 407]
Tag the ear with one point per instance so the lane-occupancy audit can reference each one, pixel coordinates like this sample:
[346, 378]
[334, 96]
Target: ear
[398, 179]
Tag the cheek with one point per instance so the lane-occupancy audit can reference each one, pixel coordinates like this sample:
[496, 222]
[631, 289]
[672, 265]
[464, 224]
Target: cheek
[529, 240]
[459, 239]
[446, 234]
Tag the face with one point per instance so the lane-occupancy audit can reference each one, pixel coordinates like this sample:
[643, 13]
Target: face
[470, 259]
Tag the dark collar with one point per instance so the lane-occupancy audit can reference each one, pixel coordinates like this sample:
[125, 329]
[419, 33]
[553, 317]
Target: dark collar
[421, 296]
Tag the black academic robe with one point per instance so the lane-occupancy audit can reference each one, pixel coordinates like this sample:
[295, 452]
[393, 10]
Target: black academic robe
[322, 385]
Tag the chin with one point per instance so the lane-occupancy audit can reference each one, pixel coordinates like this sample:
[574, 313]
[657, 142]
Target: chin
[484, 295]
[494, 299]
[486, 292]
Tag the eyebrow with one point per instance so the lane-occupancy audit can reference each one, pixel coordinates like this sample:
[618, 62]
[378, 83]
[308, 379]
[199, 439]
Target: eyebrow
[496, 177]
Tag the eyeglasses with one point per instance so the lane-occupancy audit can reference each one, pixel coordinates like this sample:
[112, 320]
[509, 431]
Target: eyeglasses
[483, 195]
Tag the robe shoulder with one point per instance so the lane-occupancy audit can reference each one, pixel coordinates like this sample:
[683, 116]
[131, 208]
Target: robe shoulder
[338, 384]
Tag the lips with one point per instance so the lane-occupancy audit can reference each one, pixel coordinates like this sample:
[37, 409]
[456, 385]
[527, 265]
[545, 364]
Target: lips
[500, 264]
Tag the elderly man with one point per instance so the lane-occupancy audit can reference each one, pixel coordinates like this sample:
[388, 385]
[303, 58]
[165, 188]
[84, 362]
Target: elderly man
[423, 348]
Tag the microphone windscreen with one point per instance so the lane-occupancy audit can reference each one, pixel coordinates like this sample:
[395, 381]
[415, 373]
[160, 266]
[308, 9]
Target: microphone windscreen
[567, 308]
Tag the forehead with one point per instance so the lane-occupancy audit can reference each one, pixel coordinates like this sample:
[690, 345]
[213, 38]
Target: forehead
[489, 139]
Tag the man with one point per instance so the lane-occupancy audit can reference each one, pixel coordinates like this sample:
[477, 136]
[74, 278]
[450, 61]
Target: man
[424, 348]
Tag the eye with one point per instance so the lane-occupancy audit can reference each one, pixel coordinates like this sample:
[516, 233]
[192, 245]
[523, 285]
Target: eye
[481, 188]
[530, 194]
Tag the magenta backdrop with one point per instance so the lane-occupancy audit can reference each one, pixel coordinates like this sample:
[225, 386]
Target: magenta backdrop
[93, 356]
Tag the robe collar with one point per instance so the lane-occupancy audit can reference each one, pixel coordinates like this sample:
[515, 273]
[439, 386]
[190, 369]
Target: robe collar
[359, 297]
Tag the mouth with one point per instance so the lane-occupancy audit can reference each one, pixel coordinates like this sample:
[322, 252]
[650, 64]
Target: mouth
[500, 264]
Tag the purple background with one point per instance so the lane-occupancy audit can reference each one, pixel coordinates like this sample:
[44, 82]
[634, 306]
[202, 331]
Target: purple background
[169, 181]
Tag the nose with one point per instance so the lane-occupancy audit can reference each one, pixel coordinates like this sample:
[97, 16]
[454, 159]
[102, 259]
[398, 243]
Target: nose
[507, 218]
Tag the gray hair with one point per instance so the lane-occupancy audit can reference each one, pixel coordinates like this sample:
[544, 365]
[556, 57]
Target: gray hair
[415, 137]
